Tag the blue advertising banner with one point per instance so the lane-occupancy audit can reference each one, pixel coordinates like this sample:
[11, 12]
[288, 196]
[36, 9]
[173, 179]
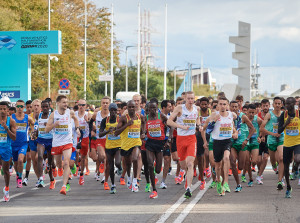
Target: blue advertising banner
[16, 48]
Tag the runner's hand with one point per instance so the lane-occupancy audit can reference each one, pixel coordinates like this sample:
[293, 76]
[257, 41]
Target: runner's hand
[3, 124]
[56, 123]
[130, 122]
[205, 145]
[259, 140]
[78, 133]
[217, 117]
[111, 129]
[244, 143]
[276, 135]
[235, 135]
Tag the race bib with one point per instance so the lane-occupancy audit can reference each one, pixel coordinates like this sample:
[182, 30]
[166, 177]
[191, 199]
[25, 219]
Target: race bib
[292, 130]
[62, 130]
[3, 137]
[254, 135]
[190, 123]
[203, 120]
[82, 128]
[134, 133]
[113, 137]
[154, 130]
[21, 127]
[275, 127]
[225, 132]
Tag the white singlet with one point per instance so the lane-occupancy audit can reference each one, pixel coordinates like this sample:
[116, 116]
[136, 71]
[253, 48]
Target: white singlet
[223, 128]
[98, 124]
[187, 118]
[83, 125]
[62, 134]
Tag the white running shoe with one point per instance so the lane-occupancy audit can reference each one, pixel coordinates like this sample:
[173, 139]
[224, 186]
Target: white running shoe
[97, 177]
[25, 181]
[259, 181]
[163, 186]
[135, 188]
[6, 195]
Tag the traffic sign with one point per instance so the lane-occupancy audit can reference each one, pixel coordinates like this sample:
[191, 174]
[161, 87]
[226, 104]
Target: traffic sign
[64, 92]
[64, 84]
[105, 77]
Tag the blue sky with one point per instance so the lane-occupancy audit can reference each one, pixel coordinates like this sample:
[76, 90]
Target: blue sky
[198, 27]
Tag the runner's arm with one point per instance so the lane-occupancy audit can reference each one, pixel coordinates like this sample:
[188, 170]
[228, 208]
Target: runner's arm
[143, 127]
[250, 126]
[30, 121]
[11, 131]
[282, 124]
[175, 113]
[122, 125]
[51, 124]
[102, 131]
[263, 126]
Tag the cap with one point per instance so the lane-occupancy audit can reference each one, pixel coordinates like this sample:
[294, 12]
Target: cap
[113, 106]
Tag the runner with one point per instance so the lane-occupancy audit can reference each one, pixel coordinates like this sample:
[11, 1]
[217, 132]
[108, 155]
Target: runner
[289, 122]
[165, 110]
[7, 133]
[263, 156]
[44, 143]
[98, 145]
[155, 127]
[20, 145]
[60, 121]
[131, 127]
[187, 120]
[112, 145]
[275, 140]
[223, 131]
[253, 147]
[83, 118]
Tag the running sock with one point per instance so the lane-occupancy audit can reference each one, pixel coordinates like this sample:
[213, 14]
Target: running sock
[134, 181]
[19, 175]
[128, 179]
[27, 174]
[41, 178]
[6, 188]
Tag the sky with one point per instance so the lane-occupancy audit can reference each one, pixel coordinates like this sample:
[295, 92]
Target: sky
[198, 27]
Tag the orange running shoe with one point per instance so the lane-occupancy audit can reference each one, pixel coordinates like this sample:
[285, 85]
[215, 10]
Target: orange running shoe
[63, 191]
[177, 180]
[202, 185]
[76, 173]
[54, 172]
[52, 185]
[153, 195]
[81, 180]
[60, 172]
[106, 187]
[122, 181]
[181, 176]
[230, 172]
[87, 173]
[101, 168]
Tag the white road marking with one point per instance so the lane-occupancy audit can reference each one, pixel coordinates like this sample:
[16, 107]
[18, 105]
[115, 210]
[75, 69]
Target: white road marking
[173, 208]
[47, 184]
[13, 196]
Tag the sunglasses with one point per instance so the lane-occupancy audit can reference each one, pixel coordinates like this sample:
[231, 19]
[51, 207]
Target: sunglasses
[81, 104]
[20, 106]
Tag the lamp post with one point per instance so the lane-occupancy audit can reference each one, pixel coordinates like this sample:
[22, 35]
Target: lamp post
[85, 26]
[126, 84]
[146, 85]
[49, 28]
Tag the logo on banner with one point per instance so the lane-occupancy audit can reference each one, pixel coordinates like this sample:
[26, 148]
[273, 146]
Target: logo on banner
[10, 94]
[7, 41]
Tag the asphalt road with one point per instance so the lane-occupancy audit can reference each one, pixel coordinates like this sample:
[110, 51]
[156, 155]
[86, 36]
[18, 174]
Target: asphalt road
[90, 203]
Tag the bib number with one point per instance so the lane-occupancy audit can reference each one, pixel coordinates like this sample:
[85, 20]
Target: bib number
[134, 133]
[62, 130]
[3, 137]
[225, 132]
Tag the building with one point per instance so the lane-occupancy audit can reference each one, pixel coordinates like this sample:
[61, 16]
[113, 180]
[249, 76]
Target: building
[293, 92]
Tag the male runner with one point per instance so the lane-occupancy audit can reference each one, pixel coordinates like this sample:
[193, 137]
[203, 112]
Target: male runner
[187, 119]
[83, 119]
[20, 145]
[131, 127]
[223, 131]
[112, 145]
[289, 122]
[62, 143]
[275, 140]
[7, 133]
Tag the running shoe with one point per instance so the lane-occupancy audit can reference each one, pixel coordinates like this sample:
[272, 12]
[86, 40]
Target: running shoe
[87, 173]
[19, 183]
[202, 185]
[223, 192]
[230, 172]
[188, 193]
[25, 181]
[139, 180]
[73, 170]
[288, 193]
[63, 191]
[163, 186]
[52, 185]
[60, 172]
[113, 190]
[226, 188]
[299, 182]
[250, 183]
[103, 180]
[122, 181]
[101, 167]
[279, 185]
[76, 172]
[238, 188]
[195, 172]
[170, 171]
[259, 181]
[11, 170]
[253, 169]
[208, 173]
[282, 181]
[54, 172]
[219, 188]
[213, 184]
[148, 188]
[6, 195]
[129, 185]
[119, 172]
[97, 177]
[153, 195]
[81, 180]
[156, 180]
[70, 177]
[275, 168]
[135, 188]
[68, 187]
[292, 176]
[105, 185]
[244, 180]
[239, 171]
[41, 184]
[181, 176]
[177, 180]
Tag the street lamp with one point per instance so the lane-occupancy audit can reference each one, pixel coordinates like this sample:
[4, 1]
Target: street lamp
[146, 85]
[126, 85]
[49, 28]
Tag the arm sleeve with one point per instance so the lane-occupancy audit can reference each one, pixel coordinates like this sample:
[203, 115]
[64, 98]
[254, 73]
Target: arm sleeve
[91, 124]
[103, 124]
[281, 123]
[210, 127]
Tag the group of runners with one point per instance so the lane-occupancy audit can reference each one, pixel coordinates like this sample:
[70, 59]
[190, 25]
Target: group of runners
[220, 137]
